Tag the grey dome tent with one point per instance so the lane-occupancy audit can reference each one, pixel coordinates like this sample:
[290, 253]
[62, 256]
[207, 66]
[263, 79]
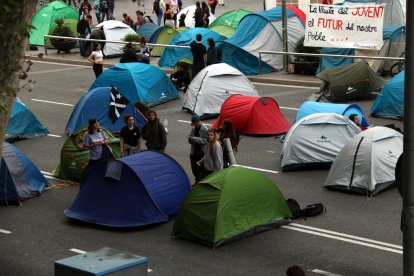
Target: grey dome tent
[315, 141]
[366, 164]
[345, 83]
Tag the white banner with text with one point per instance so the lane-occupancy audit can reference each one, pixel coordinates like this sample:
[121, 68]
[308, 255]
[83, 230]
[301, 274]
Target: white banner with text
[336, 26]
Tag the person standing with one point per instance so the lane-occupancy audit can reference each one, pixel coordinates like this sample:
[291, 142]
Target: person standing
[130, 142]
[85, 5]
[198, 140]
[213, 53]
[174, 7]
[168, 16]
[83, 28]
[199, 55]
[206, 14]
[94, 139]
[212, 4]
[97, 9]
[96, 58]
[154, 133]
[198, 16]
[213, 158]
[157, 10]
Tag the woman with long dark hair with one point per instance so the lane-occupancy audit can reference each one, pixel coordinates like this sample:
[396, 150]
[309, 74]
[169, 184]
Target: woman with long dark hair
[154, 133]
[213, 159]
[96, 58]
[94, 140]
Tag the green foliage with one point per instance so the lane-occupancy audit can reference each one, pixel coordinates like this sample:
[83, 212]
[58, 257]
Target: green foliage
[60, 29]
[301, 48]
[132, 38]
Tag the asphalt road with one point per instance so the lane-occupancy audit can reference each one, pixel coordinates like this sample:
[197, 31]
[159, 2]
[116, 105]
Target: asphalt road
[364, 240]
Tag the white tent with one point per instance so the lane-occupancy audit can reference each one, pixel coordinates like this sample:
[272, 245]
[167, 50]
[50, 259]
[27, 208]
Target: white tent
[315, 140]
[366, 164]
[115, 31]
[189, 19]
[212, 86]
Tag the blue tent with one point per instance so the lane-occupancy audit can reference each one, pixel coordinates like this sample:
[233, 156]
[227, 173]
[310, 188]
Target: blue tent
[390, 102]
[23, 123]
[20, 179]
[171, 55]
[147, 30]
[311, 107]
[141, 189]
[95, 104]
[138, 82]
[262, 31]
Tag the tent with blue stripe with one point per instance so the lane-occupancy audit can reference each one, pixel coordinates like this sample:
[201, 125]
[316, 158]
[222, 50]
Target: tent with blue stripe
[20, 179]
[262, 31]
[310, 107]
[23, 123]
[138, 82]
[147, 30]
[172, 55]
[141, 189]
[390, 101]
[96, 104]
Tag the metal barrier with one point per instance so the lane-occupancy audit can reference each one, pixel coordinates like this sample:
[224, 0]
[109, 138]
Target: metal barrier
[45, 37]
[321, 55]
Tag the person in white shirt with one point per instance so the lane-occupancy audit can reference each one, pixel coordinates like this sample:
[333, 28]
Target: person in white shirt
[96, 57]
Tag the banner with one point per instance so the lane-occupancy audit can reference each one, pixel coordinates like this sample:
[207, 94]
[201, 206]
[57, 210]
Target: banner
[335, 26]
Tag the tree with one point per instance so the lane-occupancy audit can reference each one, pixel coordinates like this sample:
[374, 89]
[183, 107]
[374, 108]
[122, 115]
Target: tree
[15, 18]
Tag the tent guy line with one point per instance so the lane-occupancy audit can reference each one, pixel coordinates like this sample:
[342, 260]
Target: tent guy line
[295, 227]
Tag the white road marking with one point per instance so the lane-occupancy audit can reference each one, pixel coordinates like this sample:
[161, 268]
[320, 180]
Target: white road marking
[188, 122]
[5, 231]
[54, 135]
[290, 108]
[77, 251]
[253, 168]
[318, 271]
[46, 173]
[51, 71]
[62, 64]
[43, 101]
[342, 239]
[285, 85]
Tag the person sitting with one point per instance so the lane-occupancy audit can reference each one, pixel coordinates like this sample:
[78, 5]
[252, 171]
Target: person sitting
[354, 118]
[128, 20]
[129, 54]
[181, 77]
[144, 54]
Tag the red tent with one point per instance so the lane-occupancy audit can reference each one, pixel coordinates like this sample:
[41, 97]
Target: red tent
[253, 115]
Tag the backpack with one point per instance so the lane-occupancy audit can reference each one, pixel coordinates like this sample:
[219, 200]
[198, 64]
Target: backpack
[311, 210]
[156, 7]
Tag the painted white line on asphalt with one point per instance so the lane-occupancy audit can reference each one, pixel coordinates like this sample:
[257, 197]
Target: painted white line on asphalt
[54, 135]
[342, 239]
[46, 173]
[285, 85]
[51, 71]
[188, 122]
[347, 236]
[43, 101]
[318, 271]
[5, 231]
[257, 169]
[290, 108]
[62, 64]
[77, 251]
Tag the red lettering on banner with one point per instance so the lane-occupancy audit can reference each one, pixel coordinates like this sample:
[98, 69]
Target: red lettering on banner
[371, 12]
[330, 23]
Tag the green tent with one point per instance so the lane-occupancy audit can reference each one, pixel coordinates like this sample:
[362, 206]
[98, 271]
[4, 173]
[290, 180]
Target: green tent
[224, 30]
[74, 159]
[163, 36]
[231, 204]
[230, 18]
[44, 20]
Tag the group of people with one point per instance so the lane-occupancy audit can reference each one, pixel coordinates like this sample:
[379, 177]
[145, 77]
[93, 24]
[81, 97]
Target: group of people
[131, 54]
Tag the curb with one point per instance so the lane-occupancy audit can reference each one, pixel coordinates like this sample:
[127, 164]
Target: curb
[256, 79]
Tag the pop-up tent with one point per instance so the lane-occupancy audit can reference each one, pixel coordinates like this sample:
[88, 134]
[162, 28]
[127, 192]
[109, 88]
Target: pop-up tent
[20, 179]
[253, 115]
[99, 103]
[230, 18]
[315, 141]
[262, 31]
[223, 30]
[163, 35]
[310, 107]
[23, 123]
[138, 82]
[189, 16]
[44, 20]
[346, 83]
[74, 158]
[147, 30]
[141, 189]
[231, 204]
[114, 30]
[212, 86]
[171, 55]
[390, 102]
[366, 164]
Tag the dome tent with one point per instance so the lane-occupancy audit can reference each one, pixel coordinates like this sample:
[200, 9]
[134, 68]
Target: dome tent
[315, 141]
[20, 179]
[138, 82]
[114, 30]
[253, 115]
[141, 189]
[96, 104]
[231, 204]
[230, 18]
[367, 163]
[163, 35]
[212, 86]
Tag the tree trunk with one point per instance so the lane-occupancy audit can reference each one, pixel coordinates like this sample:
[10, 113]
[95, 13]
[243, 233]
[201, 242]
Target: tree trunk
[15, 18]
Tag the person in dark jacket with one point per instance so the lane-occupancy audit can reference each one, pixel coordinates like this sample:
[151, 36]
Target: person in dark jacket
[154, 133]
[83, 28]
[199, 55]
[213, 53]
[129, 54]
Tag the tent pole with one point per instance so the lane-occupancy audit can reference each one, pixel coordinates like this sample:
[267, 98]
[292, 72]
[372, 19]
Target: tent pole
[408, 164]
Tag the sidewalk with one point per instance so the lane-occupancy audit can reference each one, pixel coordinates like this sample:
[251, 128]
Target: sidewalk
[75, 58]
